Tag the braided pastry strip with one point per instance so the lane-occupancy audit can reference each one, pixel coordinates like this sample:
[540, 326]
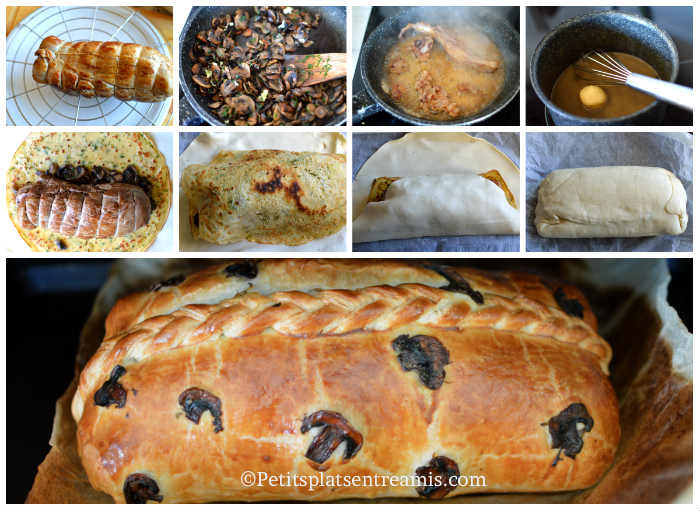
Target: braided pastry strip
[336, 312]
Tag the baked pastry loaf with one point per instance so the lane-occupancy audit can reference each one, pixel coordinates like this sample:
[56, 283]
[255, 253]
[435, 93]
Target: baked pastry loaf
[130, 72]
[346, 368]
[266, 196]
[596, 202]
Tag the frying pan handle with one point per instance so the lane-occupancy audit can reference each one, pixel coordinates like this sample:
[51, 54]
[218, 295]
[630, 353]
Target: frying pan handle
[363, 106]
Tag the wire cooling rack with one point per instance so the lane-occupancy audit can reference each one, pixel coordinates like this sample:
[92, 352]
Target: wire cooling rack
[32, 103]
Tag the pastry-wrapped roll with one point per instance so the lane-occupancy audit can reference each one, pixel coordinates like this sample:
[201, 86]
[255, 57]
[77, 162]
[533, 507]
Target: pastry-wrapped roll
[599, 202]
[437, 205]
[266, 196]
[346, 369]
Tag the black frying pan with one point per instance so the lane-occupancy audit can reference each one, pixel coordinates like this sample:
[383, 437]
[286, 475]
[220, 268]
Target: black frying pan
[328, 37]
[378, 44]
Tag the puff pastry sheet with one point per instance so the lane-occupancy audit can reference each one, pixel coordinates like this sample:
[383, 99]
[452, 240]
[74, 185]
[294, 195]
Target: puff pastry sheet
[599, 202]
[444, 205]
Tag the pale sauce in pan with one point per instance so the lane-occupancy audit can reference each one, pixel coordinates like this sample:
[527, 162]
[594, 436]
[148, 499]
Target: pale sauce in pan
[456, 90]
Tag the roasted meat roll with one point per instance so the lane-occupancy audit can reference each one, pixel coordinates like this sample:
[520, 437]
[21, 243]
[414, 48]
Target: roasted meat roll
[84, 211]
[127, 71]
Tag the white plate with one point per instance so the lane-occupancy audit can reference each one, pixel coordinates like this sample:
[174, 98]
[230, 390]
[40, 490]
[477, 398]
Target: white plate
[32, 103]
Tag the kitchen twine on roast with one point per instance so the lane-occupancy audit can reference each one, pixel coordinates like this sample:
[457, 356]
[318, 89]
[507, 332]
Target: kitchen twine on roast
[250, 478]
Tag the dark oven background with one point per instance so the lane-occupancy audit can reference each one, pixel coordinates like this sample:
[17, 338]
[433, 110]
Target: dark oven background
[48, 301]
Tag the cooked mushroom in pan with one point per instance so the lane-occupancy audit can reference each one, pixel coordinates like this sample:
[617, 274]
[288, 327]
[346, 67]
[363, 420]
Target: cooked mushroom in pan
[239, 66]
[442, 73]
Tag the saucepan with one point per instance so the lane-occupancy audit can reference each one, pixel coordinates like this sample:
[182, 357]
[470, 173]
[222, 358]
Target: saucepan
[380, 41]
[328, 37]
[611, 31]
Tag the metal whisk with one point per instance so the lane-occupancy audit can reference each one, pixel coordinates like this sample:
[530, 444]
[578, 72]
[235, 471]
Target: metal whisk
[602, 69]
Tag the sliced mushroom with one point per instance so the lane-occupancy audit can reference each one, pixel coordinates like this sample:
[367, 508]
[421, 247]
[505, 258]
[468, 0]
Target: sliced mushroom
[215, 71]
[241, 71]
[321, 112]
[253, 41]
[276, 84]
[129, 175]
[273, 68]
[440, 475]
[240, 19]
[172, 281]
[139, 489]
[195, 401]
[300, 34]
[306, 117]
[289, 45]
[425, 355]
[224, 112]
[277, 51]
[80, 172]
[215, 36]
[227, 88]
[201, 81]
[283, 110]
[569, 305]
[567, 428]
[243, 105]
[335, 430]
[111, 392]
[457, 283]
[247, 269]
[98, 172]
[237, 53]
[290, 76]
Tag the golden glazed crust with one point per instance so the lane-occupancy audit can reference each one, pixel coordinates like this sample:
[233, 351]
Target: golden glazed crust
[114, 151]
[277, 341]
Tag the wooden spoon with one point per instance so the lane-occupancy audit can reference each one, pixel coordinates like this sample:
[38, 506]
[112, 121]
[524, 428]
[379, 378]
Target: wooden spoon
[318, 67]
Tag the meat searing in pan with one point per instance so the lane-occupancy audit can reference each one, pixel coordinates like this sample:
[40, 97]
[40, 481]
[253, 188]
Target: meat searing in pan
[455, 47]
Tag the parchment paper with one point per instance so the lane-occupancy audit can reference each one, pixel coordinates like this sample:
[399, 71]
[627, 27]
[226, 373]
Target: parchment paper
[203, 148]
[365, 144]
[164, 242]
[551, 151]
[651, 372]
